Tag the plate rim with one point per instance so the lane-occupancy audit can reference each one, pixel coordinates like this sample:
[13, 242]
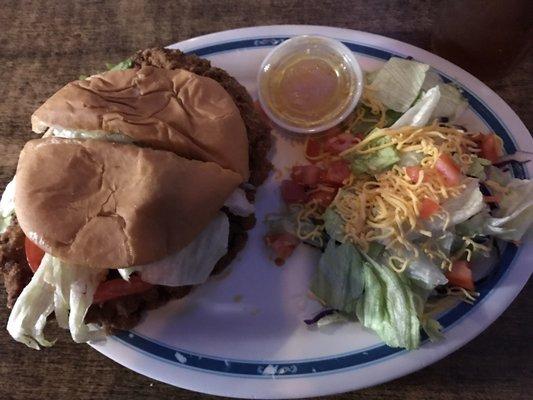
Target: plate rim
[283, 30]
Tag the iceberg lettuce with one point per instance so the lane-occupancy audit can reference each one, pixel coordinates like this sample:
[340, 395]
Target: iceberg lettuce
[7, 206]
[193, 264]
[397, 84]
[56, 287]
[515, 215]
[338, 281]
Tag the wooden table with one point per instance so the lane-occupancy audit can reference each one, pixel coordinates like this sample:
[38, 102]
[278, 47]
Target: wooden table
[44, 44]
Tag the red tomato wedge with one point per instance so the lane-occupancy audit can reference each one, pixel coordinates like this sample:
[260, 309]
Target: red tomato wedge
[336, 173]
[490, 147]
[322, 198]
[461, 275]
[307, 175]
[413, 173]
[449, 170]
[34, 254]
[116, 288]
[282, 244]
[427, 208]
[313, 148]
[292, 192]
[337, 144]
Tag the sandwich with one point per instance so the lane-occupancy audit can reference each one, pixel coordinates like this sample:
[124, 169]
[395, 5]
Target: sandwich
[140, 187]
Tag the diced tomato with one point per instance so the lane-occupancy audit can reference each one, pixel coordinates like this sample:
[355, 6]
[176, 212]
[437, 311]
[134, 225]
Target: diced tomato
[307, 175]
[413, 173]
[490, 147]
[322, 198]
[337, 144]
[262, 113]
[34, 254]
[313, 148]
[461, 275]
[292, 192]
[116, 288]
[336, 173]
[283, 244]
[428, 207]
[448, 169]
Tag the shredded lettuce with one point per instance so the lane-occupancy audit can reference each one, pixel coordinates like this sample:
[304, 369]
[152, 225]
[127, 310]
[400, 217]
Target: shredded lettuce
[338, 281]
[193, 264]
[7, 206]
[375, 162]
[397, 84]
[56, 287]
[515, 215]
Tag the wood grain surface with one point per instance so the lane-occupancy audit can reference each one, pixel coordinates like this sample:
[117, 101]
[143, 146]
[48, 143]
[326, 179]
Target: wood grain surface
[44, 44]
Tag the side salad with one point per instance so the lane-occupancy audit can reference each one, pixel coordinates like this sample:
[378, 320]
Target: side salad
[408, 209]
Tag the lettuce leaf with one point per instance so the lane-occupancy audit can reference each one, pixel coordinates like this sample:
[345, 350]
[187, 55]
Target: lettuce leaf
[338, 281]
[389, 306]
[467, 204]
[421, 112]
[515, 215]
[66, 289]
[375, 162]
[397, 84]
[477, 168]
[193, 264]
[451, 103]
[334, 225]
[125, 64]
[7, 206]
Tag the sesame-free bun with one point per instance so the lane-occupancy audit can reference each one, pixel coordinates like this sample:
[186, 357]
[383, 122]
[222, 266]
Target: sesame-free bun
[175, 110]
[111, 205]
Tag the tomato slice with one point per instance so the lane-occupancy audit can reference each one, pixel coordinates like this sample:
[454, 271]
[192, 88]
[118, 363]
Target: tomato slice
[461, 275]
[449, 170]
[490, 148]
[307, 175]
[282, 244]
[337, 144]
[336, 173]
[428, 207]
[115, 288]
[322, 198]
[34, 254]
[413, 173]
[292, 192]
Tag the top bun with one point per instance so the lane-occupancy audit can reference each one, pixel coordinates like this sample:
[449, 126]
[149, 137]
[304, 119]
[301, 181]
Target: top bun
[174, 110]
[111, 205]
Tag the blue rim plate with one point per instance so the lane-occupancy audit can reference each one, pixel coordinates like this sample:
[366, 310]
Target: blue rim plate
[242, 336]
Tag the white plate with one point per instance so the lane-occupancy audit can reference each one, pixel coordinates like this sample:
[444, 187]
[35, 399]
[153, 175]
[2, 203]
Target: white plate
[242, 335]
